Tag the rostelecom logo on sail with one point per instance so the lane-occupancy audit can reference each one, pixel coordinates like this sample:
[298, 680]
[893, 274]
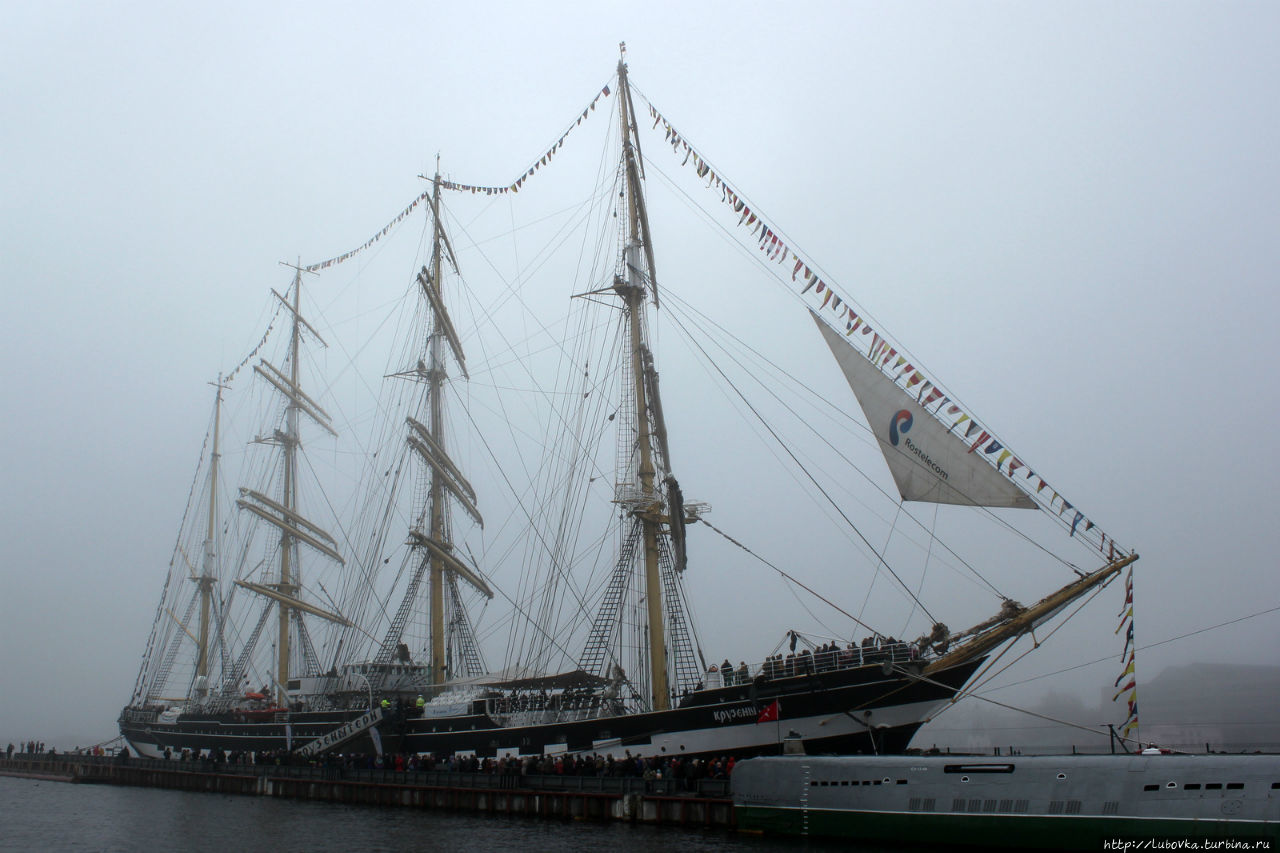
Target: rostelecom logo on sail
[900, 423]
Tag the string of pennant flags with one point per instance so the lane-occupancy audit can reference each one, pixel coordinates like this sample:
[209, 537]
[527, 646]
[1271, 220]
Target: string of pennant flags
[386, 229]
[1129, 674]
[538, 163]
[261, 343]
[879, 350]
[455, 186]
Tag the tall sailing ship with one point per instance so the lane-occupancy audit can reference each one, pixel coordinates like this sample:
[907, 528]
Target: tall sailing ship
[294, 621]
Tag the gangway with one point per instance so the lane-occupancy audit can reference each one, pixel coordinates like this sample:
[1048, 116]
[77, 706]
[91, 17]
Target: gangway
[344, 733]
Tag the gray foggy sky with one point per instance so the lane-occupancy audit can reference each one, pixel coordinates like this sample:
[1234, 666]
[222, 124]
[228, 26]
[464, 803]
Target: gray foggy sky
[1067, 211]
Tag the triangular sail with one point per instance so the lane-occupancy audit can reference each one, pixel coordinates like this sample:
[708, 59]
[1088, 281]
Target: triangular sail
[928, 462]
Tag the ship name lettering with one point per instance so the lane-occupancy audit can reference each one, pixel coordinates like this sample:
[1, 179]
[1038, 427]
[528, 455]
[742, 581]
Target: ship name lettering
[728, 715]
[924, 457]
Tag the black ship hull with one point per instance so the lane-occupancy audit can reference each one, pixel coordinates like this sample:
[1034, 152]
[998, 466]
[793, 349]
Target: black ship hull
[150, 735]
[849, 711]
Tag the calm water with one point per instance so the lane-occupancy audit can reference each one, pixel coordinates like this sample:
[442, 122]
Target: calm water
[59, 816]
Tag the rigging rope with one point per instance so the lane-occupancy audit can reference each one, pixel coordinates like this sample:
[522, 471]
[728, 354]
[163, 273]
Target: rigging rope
[793, 580]
[1139, 648]
[806, 472]
[924, 572]
[775, 247]
[888, 537]
[756, 258]
[962, 693]
[549, 637]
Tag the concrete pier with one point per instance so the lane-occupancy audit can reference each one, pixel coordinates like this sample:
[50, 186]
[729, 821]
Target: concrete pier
[558, 797]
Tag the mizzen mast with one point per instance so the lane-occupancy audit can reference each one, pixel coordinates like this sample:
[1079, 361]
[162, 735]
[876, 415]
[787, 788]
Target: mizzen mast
[208, 577]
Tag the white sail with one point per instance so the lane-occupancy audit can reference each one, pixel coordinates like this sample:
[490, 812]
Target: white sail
[928, 462]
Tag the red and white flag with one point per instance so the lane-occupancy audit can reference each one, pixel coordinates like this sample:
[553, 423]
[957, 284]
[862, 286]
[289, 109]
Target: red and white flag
[770, 713]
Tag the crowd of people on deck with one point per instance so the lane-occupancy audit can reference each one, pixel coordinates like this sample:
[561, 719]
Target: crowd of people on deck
[824, 658]
[572, 699]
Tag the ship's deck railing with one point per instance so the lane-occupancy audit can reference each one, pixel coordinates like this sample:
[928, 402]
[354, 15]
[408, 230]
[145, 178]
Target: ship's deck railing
[807, 663]
[140, 715]
[537, 707]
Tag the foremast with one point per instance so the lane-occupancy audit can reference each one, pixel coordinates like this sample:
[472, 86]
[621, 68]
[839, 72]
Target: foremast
[646, 491]
[633, 293]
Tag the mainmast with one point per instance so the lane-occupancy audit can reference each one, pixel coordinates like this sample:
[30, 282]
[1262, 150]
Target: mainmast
[663, 652]
[445, 482]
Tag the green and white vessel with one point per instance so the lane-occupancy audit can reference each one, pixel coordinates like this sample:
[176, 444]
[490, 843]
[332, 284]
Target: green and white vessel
[1040, 802]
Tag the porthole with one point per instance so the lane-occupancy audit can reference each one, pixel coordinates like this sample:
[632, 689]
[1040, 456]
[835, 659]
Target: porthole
[1062, 776]
[1171, 784]
[964, 778]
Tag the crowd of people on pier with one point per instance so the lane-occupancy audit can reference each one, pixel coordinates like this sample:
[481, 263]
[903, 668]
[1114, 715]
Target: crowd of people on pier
[31, 747]
[686, 772]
